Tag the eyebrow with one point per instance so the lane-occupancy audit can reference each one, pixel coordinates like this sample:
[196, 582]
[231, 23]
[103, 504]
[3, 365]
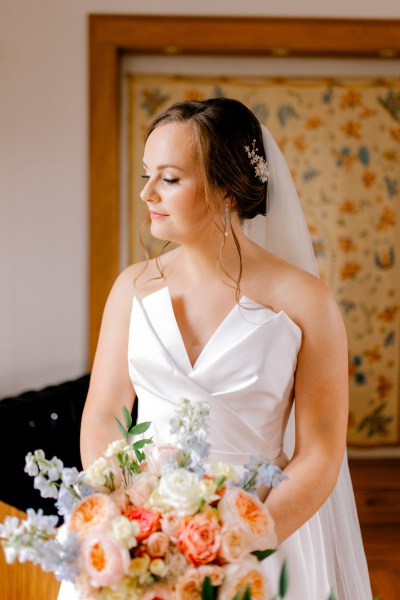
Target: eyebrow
[166, 166]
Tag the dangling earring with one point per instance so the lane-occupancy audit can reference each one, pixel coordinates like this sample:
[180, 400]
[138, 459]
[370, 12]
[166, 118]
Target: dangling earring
[227, 218]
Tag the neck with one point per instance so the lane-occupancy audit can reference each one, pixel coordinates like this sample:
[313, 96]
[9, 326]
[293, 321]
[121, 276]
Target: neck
[201, 259]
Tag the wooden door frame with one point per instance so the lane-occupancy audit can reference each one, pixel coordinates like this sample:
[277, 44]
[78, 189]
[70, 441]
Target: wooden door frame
[112, 36]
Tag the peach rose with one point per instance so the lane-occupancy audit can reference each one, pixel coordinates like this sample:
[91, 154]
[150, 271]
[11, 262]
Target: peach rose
[158, 591]
[238, 508]
[158, 456]
[200, 538]
[157, 544]
[105, 562]
[171, 525]
[234, 544]
[140, 489]
[188, 587]
[93, 514]
[240, 576]
[149, 520]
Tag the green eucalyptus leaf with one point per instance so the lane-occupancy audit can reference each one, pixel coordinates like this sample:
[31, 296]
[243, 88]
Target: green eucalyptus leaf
[127, 417]
[141, 443]
[122, 429]
[139, 428]
[283, 580]
[219, 482]
[247, 594]
[261, 554]
[139, 455]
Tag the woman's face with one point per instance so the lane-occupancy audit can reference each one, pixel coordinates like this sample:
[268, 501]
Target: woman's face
[174, 189]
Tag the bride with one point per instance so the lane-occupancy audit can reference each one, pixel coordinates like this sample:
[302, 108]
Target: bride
[236, 315]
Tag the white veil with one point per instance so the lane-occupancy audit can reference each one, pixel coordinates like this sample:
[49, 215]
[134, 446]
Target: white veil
[284, 232]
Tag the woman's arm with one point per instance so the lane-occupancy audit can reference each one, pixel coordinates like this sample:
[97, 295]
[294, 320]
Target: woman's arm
[321, 405]
[110, 387]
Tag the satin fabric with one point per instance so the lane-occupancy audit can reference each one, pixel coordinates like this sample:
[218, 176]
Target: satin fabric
[246, 374]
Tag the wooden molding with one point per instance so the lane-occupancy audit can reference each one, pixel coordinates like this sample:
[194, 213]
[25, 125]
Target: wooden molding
[112, 36]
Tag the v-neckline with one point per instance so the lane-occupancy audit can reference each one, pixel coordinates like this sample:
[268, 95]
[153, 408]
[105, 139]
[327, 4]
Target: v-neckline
[168, 322]
[216, 331]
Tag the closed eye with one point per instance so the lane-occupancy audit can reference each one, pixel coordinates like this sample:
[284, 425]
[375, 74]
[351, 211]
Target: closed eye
[171, 180]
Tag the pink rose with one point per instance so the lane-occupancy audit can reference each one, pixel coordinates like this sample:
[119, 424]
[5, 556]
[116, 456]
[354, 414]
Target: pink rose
[158, 456]
[171, 525]
[159, 591]
[140, 489]
[105, 562]
[200, 538]
[157, 544]
[234, 544]
[238, 508]
[240, 576]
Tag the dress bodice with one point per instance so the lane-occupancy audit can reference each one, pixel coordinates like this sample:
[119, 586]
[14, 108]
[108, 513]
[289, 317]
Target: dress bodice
[245, 372]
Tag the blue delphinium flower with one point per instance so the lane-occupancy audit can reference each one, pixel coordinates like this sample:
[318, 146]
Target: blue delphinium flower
[260, 470]
[190, 425]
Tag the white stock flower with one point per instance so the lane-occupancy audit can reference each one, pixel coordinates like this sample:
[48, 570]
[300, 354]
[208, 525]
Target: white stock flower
[158, 567]
[96, 473]
[223, 470]
[116, 447]
[125, 531]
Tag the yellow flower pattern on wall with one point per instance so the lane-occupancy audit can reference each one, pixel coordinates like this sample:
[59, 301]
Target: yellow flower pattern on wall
[342, 142]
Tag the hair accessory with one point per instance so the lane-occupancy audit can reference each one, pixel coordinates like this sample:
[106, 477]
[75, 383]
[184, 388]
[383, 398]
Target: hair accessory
[227, 218]
[260, 164]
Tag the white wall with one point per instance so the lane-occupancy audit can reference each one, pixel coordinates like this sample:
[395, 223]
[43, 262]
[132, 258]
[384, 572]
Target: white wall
[43, 172]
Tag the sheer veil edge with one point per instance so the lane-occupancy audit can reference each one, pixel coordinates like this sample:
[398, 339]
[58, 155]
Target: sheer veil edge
[284, 232]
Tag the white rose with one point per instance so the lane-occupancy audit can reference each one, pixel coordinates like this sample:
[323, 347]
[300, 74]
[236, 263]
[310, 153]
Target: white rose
[179, 491]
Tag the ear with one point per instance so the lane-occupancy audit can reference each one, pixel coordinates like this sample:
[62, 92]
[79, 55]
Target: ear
[228, 196]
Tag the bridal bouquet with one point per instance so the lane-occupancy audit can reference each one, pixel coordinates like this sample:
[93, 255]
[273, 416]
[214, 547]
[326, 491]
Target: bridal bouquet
[151, 522]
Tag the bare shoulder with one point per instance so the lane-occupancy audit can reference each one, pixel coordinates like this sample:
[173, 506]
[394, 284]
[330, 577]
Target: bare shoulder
[142, 278]
[306, 299]
[310, 303]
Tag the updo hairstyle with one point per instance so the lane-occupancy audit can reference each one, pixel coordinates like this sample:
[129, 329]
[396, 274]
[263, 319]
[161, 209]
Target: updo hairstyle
[222, 127]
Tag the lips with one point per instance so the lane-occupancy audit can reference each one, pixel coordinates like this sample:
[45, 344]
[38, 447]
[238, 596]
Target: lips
[157, 215]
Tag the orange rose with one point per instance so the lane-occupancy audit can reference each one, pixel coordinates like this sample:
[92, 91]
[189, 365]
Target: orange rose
[149, 520]
[200, 538]
[238, 508]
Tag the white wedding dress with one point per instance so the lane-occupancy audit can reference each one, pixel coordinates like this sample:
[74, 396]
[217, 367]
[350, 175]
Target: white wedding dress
[246, 374]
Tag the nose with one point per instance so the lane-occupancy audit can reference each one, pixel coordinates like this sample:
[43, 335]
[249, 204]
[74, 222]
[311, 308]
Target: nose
[149, 194]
